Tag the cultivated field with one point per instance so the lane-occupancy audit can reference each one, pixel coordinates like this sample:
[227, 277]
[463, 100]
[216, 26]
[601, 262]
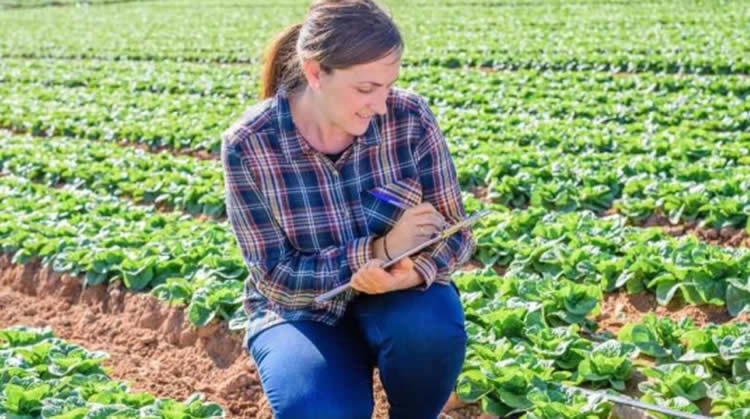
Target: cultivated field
[612, 138]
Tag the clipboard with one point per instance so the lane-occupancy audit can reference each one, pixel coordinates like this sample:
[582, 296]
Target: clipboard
[444, 234]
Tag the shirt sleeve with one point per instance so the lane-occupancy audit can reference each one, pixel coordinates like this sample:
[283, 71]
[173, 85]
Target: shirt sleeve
[440, 188]
[280, 272]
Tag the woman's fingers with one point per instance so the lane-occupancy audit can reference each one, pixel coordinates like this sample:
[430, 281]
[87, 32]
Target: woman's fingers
[371, 278]
[404, 264]
[435, 220]
[426, 230]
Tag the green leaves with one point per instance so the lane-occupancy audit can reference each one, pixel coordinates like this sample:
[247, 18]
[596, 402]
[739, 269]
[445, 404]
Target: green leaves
[677, 380]
[656, 337]
[115, 241]
[22, 400]
[738, 295]
[581, 247]
[23, 336]
[179, 182]
[43, 376]
[609, 362]
[730, 400]
[137, 274]
[217, 298]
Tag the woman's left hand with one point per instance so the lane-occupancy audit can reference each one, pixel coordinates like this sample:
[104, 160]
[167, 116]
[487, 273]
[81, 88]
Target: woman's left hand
[372, 279]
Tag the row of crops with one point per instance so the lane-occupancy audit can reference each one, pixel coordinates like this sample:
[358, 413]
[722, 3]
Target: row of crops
[641, 145]
[42, 376]
[186, 105]
[704, 37]
[558, 266]
[581, 132]
[682, 181]
[103, 238]
[519, 362]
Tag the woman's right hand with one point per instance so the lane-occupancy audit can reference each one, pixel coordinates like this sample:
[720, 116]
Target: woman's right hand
[416, 226]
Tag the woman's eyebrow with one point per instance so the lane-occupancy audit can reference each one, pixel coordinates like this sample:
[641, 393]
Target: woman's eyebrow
[378, 84]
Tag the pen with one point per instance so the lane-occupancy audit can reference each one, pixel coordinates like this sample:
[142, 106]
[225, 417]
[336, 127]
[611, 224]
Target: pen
[389, 199]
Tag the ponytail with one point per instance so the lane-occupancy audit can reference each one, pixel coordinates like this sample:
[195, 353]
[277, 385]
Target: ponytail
[281, 67]
[332, 34]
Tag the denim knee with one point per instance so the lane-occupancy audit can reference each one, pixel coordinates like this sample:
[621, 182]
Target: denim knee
[305, 407]
[436, 340]
[311, 370]
[436, 326]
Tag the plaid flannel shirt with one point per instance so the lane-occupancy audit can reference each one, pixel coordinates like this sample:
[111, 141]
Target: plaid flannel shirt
[305, 225]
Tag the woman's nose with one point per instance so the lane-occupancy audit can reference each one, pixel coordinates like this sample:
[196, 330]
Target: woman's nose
[379, 105]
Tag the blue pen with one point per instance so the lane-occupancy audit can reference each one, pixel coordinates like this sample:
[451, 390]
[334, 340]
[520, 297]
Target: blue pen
[389, 199]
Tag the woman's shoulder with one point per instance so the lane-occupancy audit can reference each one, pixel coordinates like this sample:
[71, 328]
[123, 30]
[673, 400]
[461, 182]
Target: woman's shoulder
[406, 100]
[258, 118]
[411, 104]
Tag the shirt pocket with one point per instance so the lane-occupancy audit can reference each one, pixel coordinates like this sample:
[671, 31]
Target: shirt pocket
[384, 205]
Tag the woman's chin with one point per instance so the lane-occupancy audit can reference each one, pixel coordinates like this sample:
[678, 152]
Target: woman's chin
[360, 128]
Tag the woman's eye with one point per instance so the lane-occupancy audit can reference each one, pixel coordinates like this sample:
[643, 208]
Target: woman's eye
[364, 91]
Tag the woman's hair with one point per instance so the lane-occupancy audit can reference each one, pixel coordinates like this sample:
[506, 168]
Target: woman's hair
[337, 33]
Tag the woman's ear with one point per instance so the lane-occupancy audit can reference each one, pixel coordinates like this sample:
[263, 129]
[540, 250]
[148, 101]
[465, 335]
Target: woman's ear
[312, 71]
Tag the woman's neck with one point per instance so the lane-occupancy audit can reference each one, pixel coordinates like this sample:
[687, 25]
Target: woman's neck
[315, 127]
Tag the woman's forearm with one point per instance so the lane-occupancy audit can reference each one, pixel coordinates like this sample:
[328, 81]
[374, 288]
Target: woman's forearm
[378, 249]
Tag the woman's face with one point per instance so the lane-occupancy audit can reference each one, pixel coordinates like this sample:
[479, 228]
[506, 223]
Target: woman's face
[352, 96]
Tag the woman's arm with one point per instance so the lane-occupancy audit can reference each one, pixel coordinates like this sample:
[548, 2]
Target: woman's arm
[440, 188]
[280, 272]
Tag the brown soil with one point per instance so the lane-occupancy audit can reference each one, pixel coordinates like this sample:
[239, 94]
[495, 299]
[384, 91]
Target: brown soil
[620, 308]
[151, 346]
[727, 237]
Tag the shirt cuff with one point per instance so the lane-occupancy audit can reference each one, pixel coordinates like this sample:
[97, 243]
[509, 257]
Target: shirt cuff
[427, 268]
[359, 251]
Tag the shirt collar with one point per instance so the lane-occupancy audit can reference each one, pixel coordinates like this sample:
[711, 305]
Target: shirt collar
[293, 145]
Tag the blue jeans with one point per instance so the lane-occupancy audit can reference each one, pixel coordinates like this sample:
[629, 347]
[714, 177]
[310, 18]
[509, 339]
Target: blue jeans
[415, 338]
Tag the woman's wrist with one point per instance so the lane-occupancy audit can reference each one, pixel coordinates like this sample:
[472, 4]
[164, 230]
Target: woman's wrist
[385, 247]
[378, 249]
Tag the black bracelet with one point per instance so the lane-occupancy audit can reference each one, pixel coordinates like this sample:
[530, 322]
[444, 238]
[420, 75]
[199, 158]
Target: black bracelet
[385, 247]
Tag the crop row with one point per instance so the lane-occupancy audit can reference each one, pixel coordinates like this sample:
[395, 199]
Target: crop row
[686, 180]
[558, 265]
[703, 38]
[187, 106]
[102, 239]
[531, 349]
[195, 186]
[611, 255]
[42, 376]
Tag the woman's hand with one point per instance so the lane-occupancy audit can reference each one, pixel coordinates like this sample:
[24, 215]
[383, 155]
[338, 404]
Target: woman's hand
[416, 226]
[372, 279]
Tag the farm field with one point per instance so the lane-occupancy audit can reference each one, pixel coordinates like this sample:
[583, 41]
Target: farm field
[611, 138]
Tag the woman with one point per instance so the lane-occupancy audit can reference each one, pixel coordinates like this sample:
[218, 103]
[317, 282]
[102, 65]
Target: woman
[331, 175]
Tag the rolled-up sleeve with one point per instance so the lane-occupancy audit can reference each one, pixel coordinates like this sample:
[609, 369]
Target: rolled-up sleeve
[280, 272]
[440, 188]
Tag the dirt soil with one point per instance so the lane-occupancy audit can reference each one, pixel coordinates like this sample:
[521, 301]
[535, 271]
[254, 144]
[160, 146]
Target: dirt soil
[727, 237]
[621, 308]
[151, 346]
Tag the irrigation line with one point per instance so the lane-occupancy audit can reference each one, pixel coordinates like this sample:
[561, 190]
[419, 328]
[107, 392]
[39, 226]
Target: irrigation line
[639, 405]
